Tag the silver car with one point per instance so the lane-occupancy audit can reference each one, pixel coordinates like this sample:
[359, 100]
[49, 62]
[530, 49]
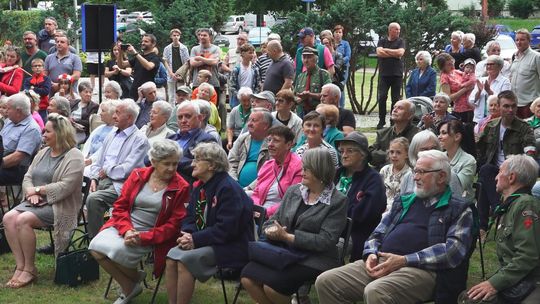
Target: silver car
[235, 24]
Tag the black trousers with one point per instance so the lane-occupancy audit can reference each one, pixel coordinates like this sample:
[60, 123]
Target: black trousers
[386, 83]
[489, 199]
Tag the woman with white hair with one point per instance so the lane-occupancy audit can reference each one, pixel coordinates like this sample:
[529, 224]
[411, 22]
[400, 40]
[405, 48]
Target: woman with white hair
[146, 218]
[492, 48]
[206, 91]
[455, 45]
[423, 79]
[239, 115]
[492, 84]
[112, 90]
[156, 128]
[469, 50]
[206, 111]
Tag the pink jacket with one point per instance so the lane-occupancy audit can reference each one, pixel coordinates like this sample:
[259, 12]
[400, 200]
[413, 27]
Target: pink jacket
[267, 175]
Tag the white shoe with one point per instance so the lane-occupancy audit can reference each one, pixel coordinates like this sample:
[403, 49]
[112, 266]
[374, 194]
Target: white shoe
[123, 299]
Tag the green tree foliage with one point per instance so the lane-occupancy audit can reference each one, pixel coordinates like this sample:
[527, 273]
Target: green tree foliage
[65, 15]
[521, 8]
[187, 15]
[495, 7]
[15, 23]
[264, 6]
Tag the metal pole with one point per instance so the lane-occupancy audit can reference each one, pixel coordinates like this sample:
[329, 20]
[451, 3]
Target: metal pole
[99, 56]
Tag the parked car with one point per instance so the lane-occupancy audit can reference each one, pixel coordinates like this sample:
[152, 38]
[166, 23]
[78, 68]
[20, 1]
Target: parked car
[221, 41]
[508, 47]
[235, 24]
[258, 35]
[251, 21]
[130, 28]
[535, 37]
[121, 15]
[505, 30]
[140, 16]
[372, 39]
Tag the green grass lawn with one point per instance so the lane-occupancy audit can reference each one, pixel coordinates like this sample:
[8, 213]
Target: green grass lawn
[516, 24]
[45, 291]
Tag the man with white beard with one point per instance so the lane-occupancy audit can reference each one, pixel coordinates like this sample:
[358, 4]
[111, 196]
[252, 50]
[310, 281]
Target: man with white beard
[431, 264]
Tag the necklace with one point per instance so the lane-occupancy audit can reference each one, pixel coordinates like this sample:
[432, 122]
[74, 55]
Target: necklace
[156, 184]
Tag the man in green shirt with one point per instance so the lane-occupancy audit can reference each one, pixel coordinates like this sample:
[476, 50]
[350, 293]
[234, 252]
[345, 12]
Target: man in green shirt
[31, 52]
[309, 83]
[517, 235]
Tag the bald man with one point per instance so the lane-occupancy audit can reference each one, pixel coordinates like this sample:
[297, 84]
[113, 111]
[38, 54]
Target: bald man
[279, 75]
[390, 51]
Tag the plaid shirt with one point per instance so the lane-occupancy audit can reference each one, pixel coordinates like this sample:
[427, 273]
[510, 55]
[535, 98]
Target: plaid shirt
[437, 256]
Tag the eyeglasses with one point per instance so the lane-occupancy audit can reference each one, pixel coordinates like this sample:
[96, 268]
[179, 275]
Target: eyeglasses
[198, 160]
[422, 172]
[348, 151]
[37, 65]
[280, 100]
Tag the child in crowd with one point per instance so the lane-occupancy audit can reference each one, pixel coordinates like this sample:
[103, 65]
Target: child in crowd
[204, 76]
[244, 74]
[65, 88]
[34, 107]
[468, 76]
[393, 173]
[41, 84]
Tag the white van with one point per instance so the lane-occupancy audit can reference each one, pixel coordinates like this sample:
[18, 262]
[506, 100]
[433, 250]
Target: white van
[251, 21]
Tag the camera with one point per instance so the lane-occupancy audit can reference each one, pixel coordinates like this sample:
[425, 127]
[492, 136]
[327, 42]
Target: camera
[124, 47]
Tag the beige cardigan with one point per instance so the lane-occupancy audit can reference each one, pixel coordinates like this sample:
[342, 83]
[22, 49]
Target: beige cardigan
[64, 193]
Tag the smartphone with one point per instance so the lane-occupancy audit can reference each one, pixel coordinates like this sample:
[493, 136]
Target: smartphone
[124, 47]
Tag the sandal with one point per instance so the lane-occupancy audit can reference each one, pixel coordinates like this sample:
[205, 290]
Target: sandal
[16, 284]
[8, 284]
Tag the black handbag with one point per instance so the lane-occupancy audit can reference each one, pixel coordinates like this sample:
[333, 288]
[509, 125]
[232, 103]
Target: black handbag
[274, 255]
[518, 292]
[76, 266]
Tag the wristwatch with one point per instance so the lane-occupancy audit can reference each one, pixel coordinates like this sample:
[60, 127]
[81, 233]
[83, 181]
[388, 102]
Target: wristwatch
[38, 190]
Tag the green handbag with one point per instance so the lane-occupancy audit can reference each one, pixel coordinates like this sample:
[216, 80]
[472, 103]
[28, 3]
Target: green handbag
[76, 266]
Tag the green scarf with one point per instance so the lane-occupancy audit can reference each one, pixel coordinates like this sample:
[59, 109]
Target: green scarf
[344, 183]
[535, 122]
[243, 116]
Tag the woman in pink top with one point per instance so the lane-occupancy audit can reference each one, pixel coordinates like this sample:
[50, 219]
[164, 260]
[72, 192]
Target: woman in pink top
[278, 173]
[451, 80]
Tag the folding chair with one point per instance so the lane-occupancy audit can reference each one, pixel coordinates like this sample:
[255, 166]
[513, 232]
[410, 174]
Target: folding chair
[85, 189]
[259, 216]
[345, 235]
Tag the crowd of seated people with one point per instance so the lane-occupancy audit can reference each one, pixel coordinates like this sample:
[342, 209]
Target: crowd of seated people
[174, 183]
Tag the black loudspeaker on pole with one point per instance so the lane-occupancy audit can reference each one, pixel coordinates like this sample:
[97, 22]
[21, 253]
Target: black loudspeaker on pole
[98, 31]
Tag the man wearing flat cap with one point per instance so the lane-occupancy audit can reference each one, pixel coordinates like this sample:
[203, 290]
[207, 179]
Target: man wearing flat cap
[183, 93]
[308, 85]
[363, 186]
[307, 39]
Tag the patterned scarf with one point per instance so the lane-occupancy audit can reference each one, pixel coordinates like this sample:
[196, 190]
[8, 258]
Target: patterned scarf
[200, 207]
[535, 122]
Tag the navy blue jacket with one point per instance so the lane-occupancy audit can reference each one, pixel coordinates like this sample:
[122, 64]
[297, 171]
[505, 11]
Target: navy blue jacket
[421, 86]
[229, 220]
[184, 166]
[367, 202]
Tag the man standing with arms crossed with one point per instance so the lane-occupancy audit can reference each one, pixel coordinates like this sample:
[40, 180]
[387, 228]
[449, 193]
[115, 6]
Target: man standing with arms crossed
[390, 50]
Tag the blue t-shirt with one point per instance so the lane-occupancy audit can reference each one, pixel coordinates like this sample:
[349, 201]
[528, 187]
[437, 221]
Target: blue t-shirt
[249, 171]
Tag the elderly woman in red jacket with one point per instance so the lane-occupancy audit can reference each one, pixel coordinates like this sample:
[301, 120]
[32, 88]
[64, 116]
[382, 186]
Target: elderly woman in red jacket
[278, 173]
[146, 217]
[11, 74]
